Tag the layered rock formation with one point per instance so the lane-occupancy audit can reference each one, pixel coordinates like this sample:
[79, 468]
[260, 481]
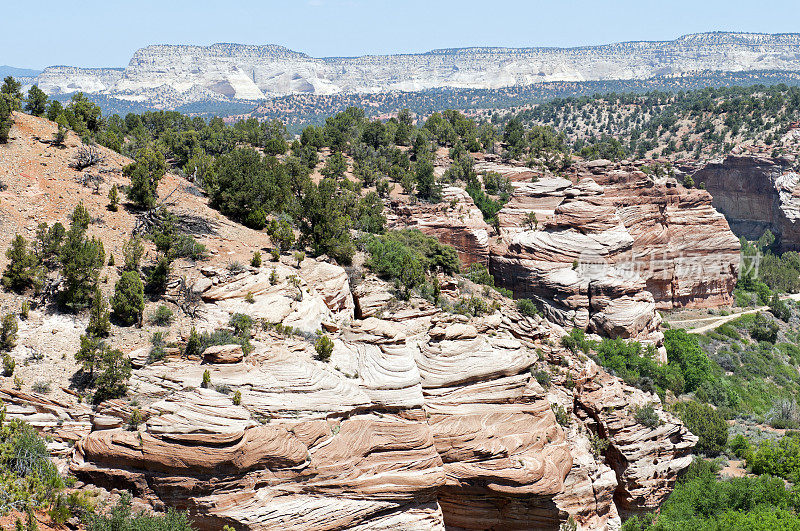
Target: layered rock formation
[756, 194]
[682, 246]
[182, 74]
[420, 420]
[455, 221]
[611, 246]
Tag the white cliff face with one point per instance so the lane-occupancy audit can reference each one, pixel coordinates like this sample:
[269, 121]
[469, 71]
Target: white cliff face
[234, 71]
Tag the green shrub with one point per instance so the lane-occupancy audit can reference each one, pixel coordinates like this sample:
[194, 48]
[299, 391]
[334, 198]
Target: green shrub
[543, 377]
[170, 240]
[299, 256]
[705, 422]
[99, 318]
[8, 364]
[701, 501]
[113, 199]
[255, 261]
[29, 479]
[764, 329]
[135, 419]
[158, 277]
[527, 307]
[576, 341]
[784, 414]
[598, 445]
[163, 316]
[389, 253]
[561, 414]
[43, 388]
[324, 348]
[778, 458]
[684, 351]
[115, 371]
[281, 233]
[479, 274]
[21, 269]
[194, 344]
[128, 300]
[132, 252]
[740, 446]
[647, 416]
[396, 261]
[145, 175]
[206, 384]
[472, 306]
[242, 324]
[8, 332]
[122, 518]
[779, 308]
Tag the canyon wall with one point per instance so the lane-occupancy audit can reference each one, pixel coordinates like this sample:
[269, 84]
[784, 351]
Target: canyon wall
[756, 194]
[612, 244]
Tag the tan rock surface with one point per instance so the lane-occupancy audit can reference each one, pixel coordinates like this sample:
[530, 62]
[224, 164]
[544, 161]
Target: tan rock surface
[455, 221]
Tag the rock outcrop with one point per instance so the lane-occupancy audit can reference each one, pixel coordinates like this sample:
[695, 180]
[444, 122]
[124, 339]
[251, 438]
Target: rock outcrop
[756, 194]
[455, 221]
[611, 246]
[576, 261]
[682, 246]
[420, 420]
[168, 75]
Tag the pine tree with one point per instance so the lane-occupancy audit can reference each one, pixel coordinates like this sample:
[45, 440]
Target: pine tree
[128, 300]
[81, 262]
[90, 353]
[60, 135]
[112, 382]
[8, 332]
[99, 321]
[11, 91]
[37, 101]
[21, 269]
[132, 251]
[113, 199]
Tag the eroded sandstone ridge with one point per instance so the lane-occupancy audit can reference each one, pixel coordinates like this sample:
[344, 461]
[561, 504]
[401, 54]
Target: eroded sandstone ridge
[756, 194]
[612, 244]
[420, 420]
[169, 76]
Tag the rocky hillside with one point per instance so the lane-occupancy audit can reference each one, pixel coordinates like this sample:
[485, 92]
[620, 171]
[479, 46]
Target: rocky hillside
[610, 244]
[168, 76]
[415, 418]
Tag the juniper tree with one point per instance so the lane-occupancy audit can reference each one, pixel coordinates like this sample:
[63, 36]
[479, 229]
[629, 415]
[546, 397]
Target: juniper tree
[21, 269]
[113, 199]
[99, 322]
[128, 300]
[81, 260]
[37, 101]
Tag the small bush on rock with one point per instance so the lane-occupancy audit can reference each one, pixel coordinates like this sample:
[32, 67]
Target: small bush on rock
[324, 348]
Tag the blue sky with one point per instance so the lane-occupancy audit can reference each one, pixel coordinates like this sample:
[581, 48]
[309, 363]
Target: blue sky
[107, 32]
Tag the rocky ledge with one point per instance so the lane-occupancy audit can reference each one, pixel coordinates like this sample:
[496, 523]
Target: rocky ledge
[611, 244]
[419, 420]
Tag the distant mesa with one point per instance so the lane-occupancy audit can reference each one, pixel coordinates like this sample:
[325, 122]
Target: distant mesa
[168, 76]
[21, 73]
